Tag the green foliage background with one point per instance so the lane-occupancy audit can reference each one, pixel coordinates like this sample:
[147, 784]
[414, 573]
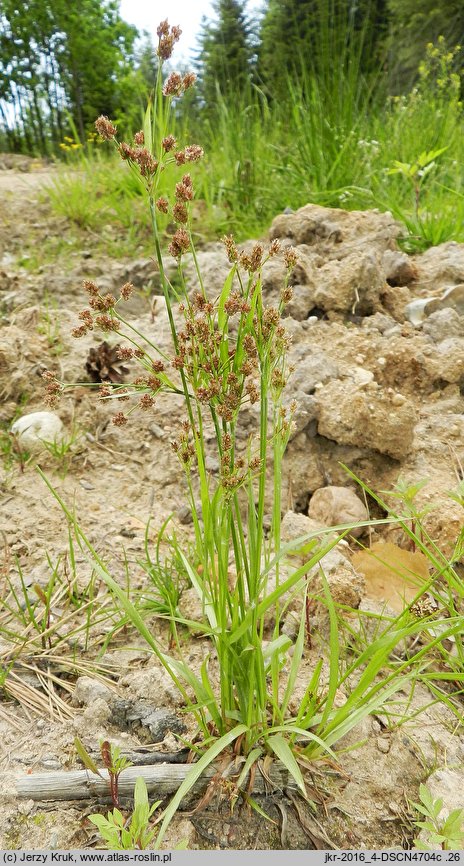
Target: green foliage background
[310, 100]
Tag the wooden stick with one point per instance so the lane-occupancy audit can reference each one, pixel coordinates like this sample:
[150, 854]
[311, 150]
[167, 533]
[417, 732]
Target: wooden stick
[161, 780]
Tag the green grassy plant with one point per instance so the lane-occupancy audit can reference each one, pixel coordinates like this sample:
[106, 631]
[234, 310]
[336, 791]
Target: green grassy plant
[133, 833]
[230, 352]
[438, 833]
[437, 603]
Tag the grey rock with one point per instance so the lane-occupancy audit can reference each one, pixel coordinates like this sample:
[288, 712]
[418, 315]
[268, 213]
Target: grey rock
[352, 285]
[87, 691]
[366, 418]
[184, 515]
[311, 368]
[147, 721]
[443, 324]
[295, 525]
[399, 268]
[378, 322]
[306, 412]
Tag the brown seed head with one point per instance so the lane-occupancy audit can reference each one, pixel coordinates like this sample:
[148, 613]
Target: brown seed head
[125, 353]
[146, 402]
[184, 192]
[167, 40]
[105, 128]
[188, 80]
[179, 213]
[126, 291]
[146, 162]
[169, 143]
[290, 257]
[86, 317]
[193, 152]
[173, 85]
[179, 157]
[231, 249]
[163, 28]
[126, 151]
[256, 257]
[286, 294]
[79, 331]
[106, 323]
[119, 419]
[90, 287]
[139, 137]
[180, 243]
[274, 248]
[157, 366]
[162, 204]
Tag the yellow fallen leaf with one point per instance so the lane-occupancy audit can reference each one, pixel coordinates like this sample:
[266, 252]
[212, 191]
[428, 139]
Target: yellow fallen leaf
[392, 575]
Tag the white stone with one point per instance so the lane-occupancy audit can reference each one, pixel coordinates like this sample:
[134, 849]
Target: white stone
[36, 428]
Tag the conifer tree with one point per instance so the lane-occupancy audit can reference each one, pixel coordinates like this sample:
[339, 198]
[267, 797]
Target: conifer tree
[225, 59]
[301, 37]
[414, 24]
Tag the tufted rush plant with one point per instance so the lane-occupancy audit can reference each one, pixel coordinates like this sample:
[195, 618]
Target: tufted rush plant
[229, 352]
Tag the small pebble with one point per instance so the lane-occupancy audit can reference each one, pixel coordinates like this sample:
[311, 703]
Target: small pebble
[398, 399]
[86, 484]
[156, 431]
[184, 515]
[26, 807]
[50, 764]
[383, 745]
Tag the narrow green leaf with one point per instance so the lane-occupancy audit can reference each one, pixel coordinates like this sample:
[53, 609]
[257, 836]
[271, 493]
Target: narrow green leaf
[88, 762]
[283, 751]
[194, 775]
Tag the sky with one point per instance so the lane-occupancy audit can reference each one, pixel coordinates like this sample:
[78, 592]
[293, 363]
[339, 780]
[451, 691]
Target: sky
[146, 15]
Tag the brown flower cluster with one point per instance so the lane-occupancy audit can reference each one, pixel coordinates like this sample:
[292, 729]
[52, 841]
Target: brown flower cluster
[290, 258]
[162, 204]
[191, 153]
[176, 84]
[126, 353]
[168, 143]
[167, 38]
[52, 389]
[183, 446]
[102, 304]
[180, 243]
[105, 128]
[141, 157]
[231, 249]
[184, 189]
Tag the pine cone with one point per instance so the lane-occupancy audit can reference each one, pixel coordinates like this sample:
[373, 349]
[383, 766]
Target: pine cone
[103, 364]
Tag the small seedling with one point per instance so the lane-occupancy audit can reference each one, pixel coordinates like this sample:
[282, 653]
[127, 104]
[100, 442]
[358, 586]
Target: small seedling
[115, 763]
[416, 172]
[134, 833]
[445, 833]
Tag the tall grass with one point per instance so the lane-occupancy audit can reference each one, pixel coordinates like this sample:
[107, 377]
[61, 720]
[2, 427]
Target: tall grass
[332, 140]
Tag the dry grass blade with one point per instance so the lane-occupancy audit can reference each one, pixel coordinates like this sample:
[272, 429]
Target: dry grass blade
[34, 700]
